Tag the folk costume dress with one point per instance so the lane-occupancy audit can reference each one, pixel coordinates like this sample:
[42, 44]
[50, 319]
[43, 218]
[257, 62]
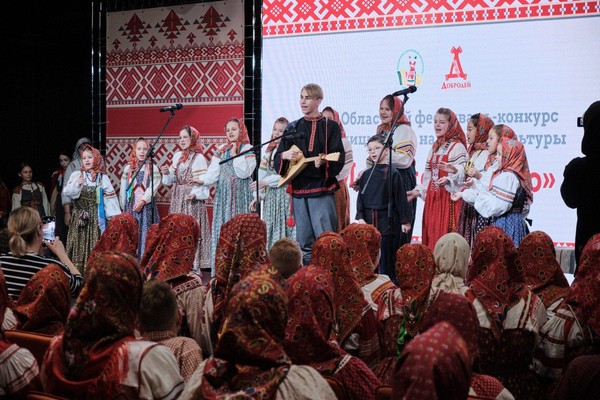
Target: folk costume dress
[94, 203]
[233, 178]
[440, 213]
[57, 182]
[188, 164]
[32, 195]
[141, 190]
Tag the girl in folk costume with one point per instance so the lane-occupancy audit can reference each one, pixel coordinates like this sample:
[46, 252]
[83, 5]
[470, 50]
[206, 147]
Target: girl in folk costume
[57, 182]
[508, 197]
[30, 193]
[276, 200]
[94, 202]
[233, 195]
[440, 214]
[187, 167]
[136, 197]
[342, 197]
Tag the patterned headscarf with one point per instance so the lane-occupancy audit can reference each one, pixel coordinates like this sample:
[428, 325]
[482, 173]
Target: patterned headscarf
[484, 124]
[241, 249]
[514, 160]
[435, 365]
[330, 253]
[98, 166]
[493, 261]
[170, 247]
[584, 296]
[5, 299]
[543, 274]
[85, 359]
[505, 132]
[461, 313]
[310, 337]
[400, 119]
[451, 253]
[250, 355]
[134, 163]
[194, 147]
[243, 138]
[336, 118]
[454, 133]
[364, 242]
[80, 142]
[121, 234]
[44, 303]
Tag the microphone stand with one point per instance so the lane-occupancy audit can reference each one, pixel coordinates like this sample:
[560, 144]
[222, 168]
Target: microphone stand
[389, 142]
[150, 155]
[256, 149]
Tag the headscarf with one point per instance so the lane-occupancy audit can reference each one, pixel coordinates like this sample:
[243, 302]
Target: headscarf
[243, 138]
[133, 162]
[493, 257]
[543, 274]
[330, 253]
[98, 166]
[484, 124]
[170, 247]
[364, 243]
[241, 249]
[505, 132]
[85, 360]
[514, 160]
[454, 133]
[194, 147]
[310, 333]
[400, 119]
[584, 296]
[249, 355]
[451, 254]
[121, 234]
[337, 119]
[273, 145]
[435, 365]
[80, 142]
[590, 144]
[44, 303]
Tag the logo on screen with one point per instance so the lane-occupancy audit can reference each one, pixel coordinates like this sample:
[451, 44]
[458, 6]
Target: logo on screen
[456, 72]
[410, 68]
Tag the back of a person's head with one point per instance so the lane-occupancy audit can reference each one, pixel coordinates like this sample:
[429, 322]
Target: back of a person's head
[158, 308]
[286, 256]
[23, 226]
[4, 238]
[590, 144]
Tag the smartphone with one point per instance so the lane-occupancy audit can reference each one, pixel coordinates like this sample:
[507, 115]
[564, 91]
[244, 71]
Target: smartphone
[49, 228]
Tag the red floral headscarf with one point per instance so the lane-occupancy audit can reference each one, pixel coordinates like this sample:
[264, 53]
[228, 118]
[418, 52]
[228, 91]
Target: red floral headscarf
[170, 247]
[250, 355]
[543, 274]
[241, 249]
[434, 365]
[134, 163]
[194, 147]
[454, 133]
[514, 160]
[310, 337]
[505, 132]
[121, 234]
[493, 262]
[44, 303]
[243, 138]
[85, 361]
[364, 242]
[584, 296]
[400, 119]
[336, 118]
[98, 166]
[484, 124]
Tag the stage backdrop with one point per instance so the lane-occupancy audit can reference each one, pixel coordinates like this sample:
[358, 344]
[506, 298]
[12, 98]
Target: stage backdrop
[530, 64]
[191, 54]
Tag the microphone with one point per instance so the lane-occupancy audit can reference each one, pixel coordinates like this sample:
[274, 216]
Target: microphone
[403, 92]
[292, 134]
[172, 108]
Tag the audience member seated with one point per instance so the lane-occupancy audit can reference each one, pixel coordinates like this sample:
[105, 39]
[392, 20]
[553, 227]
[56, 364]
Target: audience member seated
[121, 234]
[285, 255]
[24, 259]
[44, 303]
[509, 314]
[581, 380]
[159, 322]
[169, 256]
[402, 310]
[4, 238]
[451, 254]
[434, 365]
[310, 333]
[574, 329]
[98, 356]
[249, 359]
